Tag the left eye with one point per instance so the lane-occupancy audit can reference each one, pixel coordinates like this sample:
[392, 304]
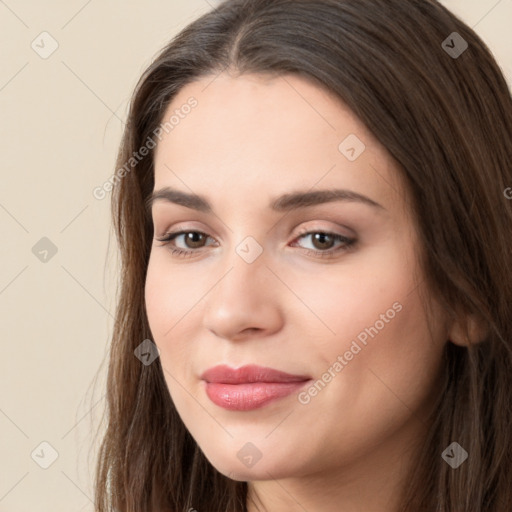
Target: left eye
[322, 242]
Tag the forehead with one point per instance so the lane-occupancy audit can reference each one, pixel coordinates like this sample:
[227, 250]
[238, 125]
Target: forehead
[277, 132]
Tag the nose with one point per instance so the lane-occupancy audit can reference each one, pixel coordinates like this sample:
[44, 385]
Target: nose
[245, 301]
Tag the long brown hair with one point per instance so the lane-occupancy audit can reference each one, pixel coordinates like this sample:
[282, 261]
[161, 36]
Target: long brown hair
[447, 121]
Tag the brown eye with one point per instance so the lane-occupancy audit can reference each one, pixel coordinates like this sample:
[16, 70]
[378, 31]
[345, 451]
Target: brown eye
[194, 239]
[191, 239]
[323, 244]
[323, 240]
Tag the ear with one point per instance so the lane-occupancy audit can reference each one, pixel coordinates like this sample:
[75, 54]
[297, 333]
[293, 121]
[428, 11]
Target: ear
[468, 330]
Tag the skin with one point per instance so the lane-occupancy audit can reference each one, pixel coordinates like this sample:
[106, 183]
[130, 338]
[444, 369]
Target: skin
[352, 446]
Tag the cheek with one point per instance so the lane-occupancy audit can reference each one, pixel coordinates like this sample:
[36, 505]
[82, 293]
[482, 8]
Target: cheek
[357, 300]
[374, 332]
[386, 358]
[169, 304]
[172, 297]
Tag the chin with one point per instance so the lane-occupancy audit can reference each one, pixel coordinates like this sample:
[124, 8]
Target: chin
[262, 470]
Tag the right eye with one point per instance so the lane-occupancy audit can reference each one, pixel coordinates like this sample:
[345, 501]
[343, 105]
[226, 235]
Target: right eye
[192, 239]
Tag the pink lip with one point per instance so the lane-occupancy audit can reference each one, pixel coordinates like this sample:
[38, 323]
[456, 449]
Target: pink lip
[249, 387]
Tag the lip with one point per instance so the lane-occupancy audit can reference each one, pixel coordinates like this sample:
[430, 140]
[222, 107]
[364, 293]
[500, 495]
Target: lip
[248, 374]
[249, 387]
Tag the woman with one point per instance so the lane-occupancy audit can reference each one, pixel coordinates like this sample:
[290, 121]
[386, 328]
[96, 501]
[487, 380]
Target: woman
[315, 234]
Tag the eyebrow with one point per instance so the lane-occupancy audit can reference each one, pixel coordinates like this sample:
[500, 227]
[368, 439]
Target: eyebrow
[284, 203]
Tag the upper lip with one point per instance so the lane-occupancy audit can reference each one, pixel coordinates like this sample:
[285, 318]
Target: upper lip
[250, 373]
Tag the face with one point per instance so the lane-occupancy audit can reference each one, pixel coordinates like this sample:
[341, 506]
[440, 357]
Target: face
[302, 258]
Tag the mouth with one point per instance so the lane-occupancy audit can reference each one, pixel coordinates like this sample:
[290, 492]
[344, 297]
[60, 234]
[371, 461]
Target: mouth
[249, 387]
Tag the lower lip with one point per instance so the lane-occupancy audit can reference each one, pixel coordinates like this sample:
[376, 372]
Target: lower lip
[246, 397]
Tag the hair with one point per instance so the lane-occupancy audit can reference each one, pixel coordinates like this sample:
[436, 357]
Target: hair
[447, 122]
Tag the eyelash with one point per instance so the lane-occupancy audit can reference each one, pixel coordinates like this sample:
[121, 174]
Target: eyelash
[347, 243]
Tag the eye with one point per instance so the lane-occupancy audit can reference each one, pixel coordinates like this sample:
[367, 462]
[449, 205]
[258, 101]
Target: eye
[323, 242]
[193, 240]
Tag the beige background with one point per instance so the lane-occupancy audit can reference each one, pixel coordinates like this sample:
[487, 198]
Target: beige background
[61, 121]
